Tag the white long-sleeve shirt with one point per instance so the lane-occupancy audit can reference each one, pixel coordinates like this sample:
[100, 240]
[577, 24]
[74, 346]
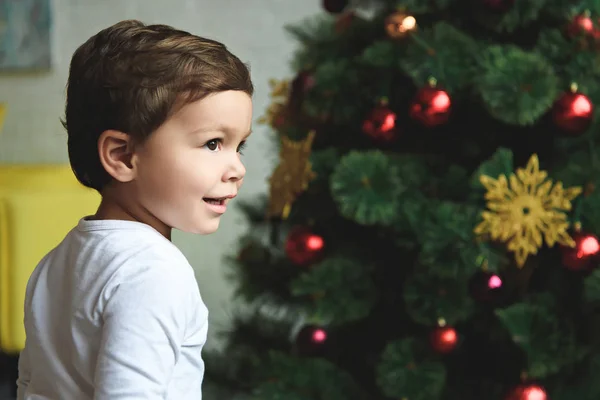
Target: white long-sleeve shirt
[113, 313]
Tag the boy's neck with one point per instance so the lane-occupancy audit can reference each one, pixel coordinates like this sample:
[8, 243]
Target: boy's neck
[111, 208]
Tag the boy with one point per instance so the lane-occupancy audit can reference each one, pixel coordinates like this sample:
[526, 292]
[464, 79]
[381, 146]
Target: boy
[156, 119]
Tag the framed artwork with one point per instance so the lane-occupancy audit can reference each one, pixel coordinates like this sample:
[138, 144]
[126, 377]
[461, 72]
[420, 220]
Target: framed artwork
[25, 35]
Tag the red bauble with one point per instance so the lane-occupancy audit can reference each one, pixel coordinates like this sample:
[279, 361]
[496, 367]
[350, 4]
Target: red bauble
[431, 106]
[381, 124]
[444, 339]
[335, 6]
[304, 247]
[311, 340]
[573, 113]
[486, 287]
[584, 255]
[499, 5]
[582, 25]
[528, 392]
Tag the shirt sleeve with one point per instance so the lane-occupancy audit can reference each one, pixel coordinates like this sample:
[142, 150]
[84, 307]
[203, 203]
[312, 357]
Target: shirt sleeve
[144, 326]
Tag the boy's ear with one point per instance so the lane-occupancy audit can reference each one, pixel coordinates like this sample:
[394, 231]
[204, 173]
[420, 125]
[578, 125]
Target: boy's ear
[116, 151]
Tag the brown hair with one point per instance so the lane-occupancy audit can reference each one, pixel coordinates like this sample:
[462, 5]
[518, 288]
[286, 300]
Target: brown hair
[131, 77]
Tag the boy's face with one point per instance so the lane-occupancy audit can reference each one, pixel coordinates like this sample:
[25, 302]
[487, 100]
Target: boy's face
[191, 167]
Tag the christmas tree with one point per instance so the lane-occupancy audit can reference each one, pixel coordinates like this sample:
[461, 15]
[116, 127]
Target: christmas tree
[430, 230]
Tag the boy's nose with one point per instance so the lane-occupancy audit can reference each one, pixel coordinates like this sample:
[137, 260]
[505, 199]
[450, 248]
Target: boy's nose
[236, 172]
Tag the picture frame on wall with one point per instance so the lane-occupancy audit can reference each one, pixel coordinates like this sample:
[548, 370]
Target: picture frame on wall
[25, 30]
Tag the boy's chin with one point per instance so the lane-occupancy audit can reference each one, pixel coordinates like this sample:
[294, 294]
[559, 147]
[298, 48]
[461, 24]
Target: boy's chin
[202, 227]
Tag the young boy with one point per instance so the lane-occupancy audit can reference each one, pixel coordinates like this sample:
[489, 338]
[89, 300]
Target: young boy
[156, 118]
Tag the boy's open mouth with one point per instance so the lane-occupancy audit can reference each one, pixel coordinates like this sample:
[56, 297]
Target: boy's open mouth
[218, 202]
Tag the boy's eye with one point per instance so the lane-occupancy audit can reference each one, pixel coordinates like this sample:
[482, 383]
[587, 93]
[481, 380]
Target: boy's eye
[212, 145]
[240, 148]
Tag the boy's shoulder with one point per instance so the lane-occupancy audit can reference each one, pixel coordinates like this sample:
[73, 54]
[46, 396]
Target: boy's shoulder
[127, 248]
[132, 256]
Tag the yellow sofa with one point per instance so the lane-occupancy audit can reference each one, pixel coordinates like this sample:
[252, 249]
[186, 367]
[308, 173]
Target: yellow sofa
[39, 204]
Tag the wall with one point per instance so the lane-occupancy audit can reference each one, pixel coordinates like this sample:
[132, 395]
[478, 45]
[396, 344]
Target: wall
[253, 30]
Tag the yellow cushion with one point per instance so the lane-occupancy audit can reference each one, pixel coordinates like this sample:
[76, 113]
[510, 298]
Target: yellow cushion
[38, 207]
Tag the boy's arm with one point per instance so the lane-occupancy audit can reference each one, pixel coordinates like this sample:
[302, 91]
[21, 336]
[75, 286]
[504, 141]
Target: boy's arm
[144, 326]
[24, 373]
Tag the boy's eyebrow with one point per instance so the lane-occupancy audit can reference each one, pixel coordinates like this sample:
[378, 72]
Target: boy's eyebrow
[222, 128]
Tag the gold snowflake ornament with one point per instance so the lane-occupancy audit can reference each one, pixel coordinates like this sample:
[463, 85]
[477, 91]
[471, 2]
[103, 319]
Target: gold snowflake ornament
[292, 176]
[275, 113]
[525, 208]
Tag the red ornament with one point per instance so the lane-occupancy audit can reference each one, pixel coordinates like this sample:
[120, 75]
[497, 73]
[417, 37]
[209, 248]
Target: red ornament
[381, 123]
[584, 29]
[444, 338]
[486, 287]
[573, 112]
[431, 106]
[304, 247]
[581, 25]
[528, 392]
[499, 5]
[585, 253]
[335, 6]
[311, 340]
